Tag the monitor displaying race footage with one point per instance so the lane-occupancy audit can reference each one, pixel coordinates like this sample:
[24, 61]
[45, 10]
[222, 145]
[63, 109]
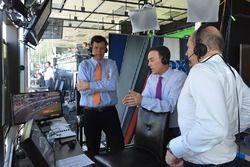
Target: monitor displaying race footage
[36, 105]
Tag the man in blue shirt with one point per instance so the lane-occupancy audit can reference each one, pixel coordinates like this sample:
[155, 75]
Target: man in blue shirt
[164, 99]
[97, 83]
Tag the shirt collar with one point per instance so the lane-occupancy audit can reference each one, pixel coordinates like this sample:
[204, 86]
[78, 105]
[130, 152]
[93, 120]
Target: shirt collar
[209, 57]
[94, 61]
[165, 74]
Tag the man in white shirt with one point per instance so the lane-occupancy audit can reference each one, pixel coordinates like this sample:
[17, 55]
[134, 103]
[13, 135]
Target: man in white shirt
[49, 76]
[207, 108]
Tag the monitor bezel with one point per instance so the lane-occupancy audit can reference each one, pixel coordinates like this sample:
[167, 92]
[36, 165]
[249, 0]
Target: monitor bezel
[30, 148]
[42, 119]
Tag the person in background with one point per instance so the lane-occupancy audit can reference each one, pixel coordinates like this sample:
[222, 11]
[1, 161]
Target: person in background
[207, 107]
[48, 74]
[162, 88]
[85, 45]
[40, 80]
[97, 84]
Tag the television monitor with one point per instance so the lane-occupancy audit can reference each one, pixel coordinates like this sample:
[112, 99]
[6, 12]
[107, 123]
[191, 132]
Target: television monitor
[36, 146]
[36, 27]
[18, 6]
[36, 105]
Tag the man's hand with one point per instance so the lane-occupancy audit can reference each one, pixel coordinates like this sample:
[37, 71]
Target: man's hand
[82, 85]
[132, 99]
[172, 161]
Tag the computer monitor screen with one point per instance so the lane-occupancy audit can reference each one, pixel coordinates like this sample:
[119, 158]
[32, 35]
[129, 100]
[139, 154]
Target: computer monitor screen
[36, 105]
[36, 146]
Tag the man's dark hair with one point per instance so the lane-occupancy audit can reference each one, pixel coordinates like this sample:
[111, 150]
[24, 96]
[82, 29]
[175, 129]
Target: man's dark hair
[98, 39]
[48, 62]
[163, 52]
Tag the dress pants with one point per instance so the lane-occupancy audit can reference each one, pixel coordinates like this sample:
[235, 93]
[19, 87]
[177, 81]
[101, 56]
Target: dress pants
[106, 119]
[228, 164]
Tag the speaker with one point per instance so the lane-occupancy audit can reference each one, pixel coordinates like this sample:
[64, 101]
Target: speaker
[98, 39]
[200, 49]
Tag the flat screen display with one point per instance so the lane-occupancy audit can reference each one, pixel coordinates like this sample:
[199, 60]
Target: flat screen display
[38, 23]
[36, 105]
[37, 146]
[43, 17]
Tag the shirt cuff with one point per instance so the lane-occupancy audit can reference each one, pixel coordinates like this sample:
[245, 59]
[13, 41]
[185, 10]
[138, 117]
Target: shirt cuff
[176, 146]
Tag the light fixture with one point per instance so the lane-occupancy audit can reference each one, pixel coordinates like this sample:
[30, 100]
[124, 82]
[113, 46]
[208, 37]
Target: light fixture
[70, 25]
[126, 12]
[75, 17]
[113, 20]
[82, 8]
[102, 27]
[170, 15]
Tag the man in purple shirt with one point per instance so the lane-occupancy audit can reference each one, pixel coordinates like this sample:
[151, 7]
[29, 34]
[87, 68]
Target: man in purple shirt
[171, 85]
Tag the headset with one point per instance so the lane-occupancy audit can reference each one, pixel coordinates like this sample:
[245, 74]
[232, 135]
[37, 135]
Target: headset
[98, 39]
[200, 49]
[165, 54]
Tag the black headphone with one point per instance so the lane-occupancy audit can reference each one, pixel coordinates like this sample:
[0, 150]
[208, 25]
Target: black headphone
[97, 38]
[165, 54]
[200, 49]
[164, 60]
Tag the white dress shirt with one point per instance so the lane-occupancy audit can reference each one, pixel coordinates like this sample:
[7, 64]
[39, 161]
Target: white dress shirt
[48, 74]
[208, 114]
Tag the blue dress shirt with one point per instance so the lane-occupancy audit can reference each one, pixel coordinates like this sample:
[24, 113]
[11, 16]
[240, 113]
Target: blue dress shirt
[106, 86]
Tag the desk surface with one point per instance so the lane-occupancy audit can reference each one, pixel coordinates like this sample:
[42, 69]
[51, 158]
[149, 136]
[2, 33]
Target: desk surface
[61, 149]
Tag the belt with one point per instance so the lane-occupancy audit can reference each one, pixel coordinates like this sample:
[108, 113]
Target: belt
[98, 109]
[228, 164]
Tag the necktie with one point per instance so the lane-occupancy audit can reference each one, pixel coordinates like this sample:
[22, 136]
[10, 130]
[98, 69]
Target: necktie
[98, 72]
[158, 88]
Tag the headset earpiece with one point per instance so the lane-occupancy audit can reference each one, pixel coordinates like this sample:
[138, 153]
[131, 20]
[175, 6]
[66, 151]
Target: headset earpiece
[200, 49]
[164, 60]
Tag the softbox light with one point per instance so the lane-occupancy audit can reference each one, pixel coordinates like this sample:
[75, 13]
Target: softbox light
[144, 19]
[203, 10]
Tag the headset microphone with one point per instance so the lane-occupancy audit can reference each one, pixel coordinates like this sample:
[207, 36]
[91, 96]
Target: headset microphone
[190, 56]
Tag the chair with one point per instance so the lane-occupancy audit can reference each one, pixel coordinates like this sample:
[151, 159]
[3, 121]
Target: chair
[149, 147]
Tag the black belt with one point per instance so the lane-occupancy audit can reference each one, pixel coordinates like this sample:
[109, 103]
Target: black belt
[99, 109]
[228, 164]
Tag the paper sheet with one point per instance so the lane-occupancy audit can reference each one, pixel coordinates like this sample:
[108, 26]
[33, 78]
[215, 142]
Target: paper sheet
[76, 161]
